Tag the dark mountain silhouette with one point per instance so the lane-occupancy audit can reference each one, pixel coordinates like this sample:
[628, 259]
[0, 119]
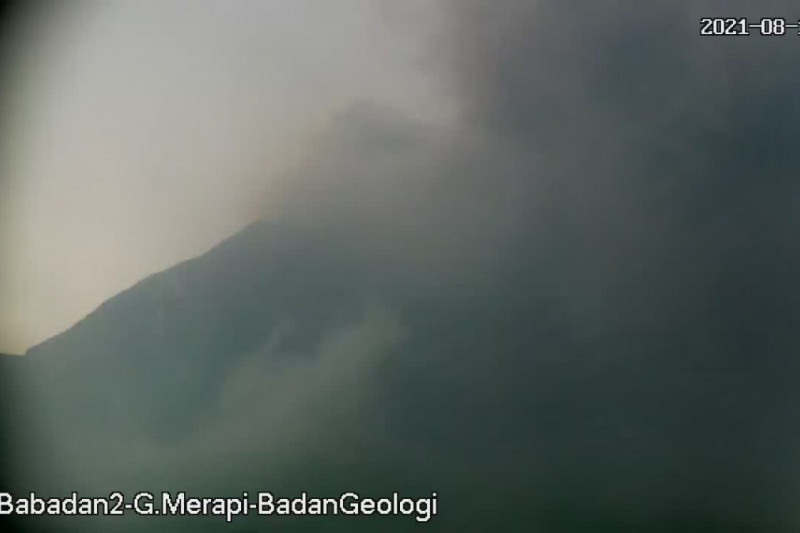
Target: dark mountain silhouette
[184, 329]
[491, 401]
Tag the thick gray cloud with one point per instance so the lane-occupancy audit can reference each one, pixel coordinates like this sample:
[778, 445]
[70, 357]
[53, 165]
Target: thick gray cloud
[624, 187]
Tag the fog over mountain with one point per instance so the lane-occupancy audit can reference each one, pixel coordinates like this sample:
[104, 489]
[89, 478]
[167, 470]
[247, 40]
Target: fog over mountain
[140, 135]
[573, 309]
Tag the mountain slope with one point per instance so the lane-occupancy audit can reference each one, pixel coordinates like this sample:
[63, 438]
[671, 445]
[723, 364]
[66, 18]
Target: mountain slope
[278, 358]
[186, 328]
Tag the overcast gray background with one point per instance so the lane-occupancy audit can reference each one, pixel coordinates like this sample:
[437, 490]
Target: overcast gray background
[580, 290]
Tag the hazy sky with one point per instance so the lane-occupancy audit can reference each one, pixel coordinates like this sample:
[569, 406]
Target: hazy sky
[141, 134]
